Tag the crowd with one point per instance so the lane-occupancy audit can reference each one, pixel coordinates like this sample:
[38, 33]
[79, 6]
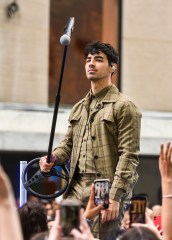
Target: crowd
[30, 221]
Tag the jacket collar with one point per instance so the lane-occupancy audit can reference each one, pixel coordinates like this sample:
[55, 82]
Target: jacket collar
[111, 96]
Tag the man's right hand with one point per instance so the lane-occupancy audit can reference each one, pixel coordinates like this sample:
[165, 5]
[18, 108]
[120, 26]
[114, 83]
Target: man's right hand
[44, 166]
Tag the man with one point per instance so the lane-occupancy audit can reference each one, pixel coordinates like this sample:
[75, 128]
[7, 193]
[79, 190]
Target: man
[102, 139]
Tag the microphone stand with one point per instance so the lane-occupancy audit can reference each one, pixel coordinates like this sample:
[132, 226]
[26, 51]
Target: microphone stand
[39, 175]
[56, 107]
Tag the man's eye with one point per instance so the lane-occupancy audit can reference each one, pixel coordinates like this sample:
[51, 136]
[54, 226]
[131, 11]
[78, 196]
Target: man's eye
[88, 60]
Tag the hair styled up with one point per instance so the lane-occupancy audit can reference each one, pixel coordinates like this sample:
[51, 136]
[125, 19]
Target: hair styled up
[106, 48]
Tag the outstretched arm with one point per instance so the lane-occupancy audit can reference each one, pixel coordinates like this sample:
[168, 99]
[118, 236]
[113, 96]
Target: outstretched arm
[165, 167]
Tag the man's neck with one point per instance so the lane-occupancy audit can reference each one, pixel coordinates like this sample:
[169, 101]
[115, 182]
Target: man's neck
[97, 86]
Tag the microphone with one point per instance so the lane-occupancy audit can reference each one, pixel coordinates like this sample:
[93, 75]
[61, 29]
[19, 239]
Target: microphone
[65, 38]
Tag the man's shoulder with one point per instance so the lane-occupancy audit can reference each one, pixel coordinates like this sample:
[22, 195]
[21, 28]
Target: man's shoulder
[114, 95]
[125, 103]
[78, 104]
[124, 99]
[77, 108]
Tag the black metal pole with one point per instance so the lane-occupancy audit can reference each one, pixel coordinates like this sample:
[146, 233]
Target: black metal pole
[120, 20]
[56, 107]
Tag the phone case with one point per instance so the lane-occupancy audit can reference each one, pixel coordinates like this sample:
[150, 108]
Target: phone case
[69, 215]
[137, 210]
[101, 196]
[157, 222]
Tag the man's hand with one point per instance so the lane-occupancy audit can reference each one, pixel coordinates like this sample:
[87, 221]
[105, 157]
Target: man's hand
[112, 212]
[46, 167]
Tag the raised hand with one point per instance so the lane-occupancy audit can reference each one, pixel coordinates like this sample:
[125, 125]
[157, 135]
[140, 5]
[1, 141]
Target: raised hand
[165, 162]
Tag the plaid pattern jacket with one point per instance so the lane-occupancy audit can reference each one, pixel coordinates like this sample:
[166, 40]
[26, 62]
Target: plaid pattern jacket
[115, 130]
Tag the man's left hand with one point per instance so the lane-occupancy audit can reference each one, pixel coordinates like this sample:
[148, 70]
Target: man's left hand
[112, 212]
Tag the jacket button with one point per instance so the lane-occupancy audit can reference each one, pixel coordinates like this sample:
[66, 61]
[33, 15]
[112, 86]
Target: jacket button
[95, 157]
[93, 137]
[99, 106]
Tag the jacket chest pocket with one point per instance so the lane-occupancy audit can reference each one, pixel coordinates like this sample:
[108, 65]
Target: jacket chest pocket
[77, 123]
[108, 122]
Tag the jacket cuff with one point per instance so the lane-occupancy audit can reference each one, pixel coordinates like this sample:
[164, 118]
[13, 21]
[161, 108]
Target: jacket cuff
[116, 194]
[60, 158]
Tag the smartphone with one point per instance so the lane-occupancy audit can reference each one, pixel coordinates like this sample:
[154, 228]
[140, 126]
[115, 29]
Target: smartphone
[157, 222]
[69, 215]
[137, 209]
[101, 192]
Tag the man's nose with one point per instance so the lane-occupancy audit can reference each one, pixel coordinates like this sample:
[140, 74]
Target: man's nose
[92, 63]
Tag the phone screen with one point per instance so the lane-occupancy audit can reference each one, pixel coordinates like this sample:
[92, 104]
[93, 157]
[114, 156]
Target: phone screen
[137, 210]
[101, 189]
[69, 216]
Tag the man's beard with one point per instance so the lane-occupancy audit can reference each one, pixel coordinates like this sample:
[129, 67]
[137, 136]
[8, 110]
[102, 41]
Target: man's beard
[94, 79]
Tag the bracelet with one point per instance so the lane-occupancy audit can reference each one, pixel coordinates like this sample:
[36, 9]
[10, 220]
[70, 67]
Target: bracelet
[167, 196]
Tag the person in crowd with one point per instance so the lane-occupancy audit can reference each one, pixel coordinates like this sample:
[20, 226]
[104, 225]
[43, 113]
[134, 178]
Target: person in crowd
[139, 233]
[50, 206]
[165, 167]
[149, 224]
[47, 204]
[33, 219]
[9, 220]
[102, 140]
[126, 219]
[83, 234]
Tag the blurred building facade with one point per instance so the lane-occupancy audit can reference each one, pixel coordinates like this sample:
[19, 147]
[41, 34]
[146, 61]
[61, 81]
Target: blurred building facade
[30, 63]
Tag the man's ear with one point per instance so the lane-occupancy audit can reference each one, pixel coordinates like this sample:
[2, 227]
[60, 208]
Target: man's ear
[113, 68]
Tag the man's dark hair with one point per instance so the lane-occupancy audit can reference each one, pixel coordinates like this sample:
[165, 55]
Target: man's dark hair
[33, 219]
[106, 48]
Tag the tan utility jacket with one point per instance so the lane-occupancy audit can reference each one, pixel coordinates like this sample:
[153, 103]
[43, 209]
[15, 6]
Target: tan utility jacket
[115, 130]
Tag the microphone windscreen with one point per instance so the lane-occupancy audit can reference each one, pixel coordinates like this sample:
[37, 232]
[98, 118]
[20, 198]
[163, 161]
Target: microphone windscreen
[65, 40]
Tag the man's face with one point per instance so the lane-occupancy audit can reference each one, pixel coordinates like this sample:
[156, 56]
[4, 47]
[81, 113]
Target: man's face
[97, 67]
